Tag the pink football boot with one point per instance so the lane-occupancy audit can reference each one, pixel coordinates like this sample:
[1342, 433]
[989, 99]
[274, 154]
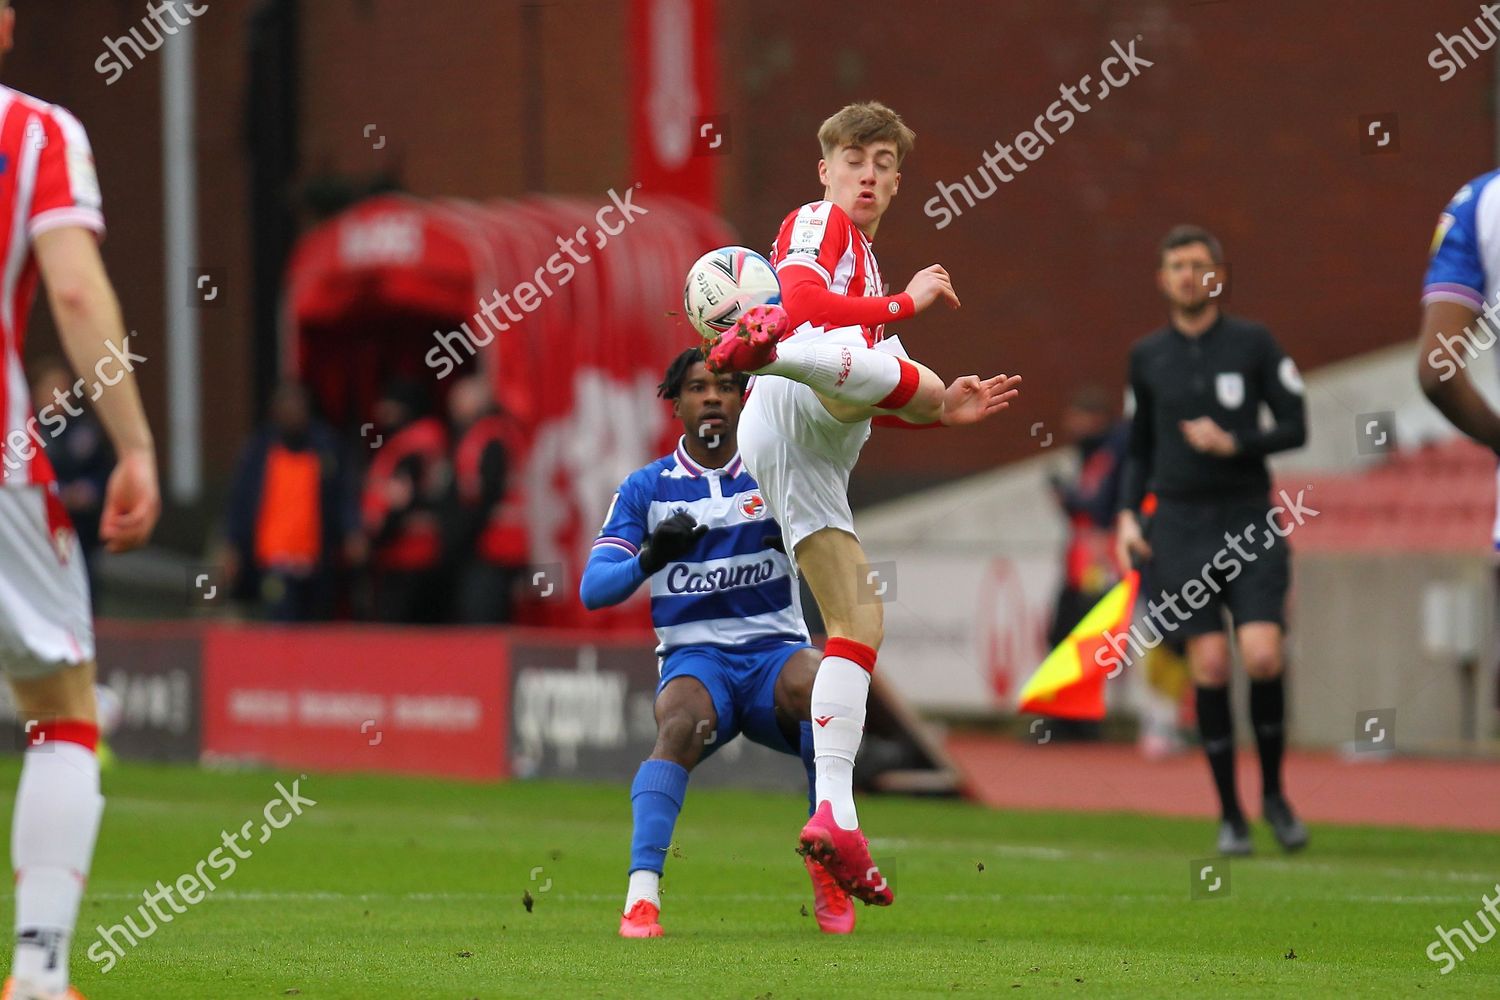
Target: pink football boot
[846, 856]
[831, 904]
[751, 343]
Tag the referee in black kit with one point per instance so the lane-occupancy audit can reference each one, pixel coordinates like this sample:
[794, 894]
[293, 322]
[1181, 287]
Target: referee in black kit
[1215, 544]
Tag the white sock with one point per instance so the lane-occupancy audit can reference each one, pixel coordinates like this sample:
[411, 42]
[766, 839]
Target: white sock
[644, 884]
[851, 374]
[58, 808]
[838, 696]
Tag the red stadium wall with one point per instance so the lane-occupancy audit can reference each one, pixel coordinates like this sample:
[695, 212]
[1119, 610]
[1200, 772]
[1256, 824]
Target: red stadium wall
[1247, 122]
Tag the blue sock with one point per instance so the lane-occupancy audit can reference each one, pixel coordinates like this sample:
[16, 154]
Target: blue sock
[655, 800]
[809, 762]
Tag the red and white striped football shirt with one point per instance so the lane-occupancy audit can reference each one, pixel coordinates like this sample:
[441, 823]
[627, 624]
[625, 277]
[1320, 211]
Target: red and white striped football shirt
[821, 236]
[47, 181]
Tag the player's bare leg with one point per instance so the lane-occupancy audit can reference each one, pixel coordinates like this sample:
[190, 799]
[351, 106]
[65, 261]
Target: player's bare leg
[831, 904]
[685, 724]
[58, 809]
[1260, 651]
[829, 560]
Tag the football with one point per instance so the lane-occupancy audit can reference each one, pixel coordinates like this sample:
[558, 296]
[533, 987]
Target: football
[724, 283]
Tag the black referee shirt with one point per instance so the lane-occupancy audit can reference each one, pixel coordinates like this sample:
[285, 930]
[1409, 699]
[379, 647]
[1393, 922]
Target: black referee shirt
[1224, 373]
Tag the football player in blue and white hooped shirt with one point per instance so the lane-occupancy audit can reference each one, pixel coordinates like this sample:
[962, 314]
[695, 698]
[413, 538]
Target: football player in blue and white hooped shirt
[734, 649]
[1463, 281]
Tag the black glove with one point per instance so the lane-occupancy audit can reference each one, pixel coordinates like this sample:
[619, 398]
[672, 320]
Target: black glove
[776, 542]
[673, 538]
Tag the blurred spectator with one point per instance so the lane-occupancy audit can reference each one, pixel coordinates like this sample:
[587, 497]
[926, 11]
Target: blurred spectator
[1089, 499]
[291, 513]
[1087, 496]
[487, 546]
[404, 495]
[80, 455]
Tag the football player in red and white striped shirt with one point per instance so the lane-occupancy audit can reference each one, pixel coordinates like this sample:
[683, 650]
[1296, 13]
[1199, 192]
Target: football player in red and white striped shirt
[49, 197]
[801, 433]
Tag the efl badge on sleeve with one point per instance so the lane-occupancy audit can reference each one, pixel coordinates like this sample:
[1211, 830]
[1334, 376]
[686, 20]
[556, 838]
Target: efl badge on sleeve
[1445, 223]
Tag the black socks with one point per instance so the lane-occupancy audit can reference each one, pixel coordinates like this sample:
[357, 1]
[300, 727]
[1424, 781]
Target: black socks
[1217, 731]
[1267, 715]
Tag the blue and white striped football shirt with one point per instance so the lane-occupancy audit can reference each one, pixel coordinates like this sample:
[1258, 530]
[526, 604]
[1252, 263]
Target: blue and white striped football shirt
[1465, 269]
[733, 590]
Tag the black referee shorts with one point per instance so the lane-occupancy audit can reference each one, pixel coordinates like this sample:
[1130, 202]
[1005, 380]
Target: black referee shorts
[1215, 556]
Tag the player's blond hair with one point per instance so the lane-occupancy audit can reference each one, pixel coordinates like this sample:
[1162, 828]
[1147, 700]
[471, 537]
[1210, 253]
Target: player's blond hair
[864, 123]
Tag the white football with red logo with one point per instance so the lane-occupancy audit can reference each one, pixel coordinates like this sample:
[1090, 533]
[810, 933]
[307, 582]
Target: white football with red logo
[722, 284]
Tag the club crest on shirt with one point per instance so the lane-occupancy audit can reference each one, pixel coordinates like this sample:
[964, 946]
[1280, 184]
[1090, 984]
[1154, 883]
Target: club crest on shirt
[753, 507]
[64, 541]
[59, 525]
[1230, 388]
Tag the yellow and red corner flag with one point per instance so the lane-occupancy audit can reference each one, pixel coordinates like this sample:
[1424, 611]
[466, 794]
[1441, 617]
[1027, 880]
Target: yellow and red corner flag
[1070, 682]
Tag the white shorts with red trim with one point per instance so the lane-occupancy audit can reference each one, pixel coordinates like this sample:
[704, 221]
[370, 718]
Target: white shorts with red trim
[46, 618]
[799, 454]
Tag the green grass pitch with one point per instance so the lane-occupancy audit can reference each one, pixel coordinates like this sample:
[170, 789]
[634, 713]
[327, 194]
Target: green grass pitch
[409, 888]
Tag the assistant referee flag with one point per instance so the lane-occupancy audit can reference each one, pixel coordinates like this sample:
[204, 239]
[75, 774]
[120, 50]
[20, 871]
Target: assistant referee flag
[1070, 682]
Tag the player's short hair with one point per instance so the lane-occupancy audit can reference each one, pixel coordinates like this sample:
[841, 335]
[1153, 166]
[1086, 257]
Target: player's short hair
[1187, 235]
[671, 385]
[863, 123]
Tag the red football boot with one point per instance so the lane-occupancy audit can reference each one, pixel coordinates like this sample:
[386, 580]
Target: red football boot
[751, 343]
[831, 904]
[846, 856]
[642, 921]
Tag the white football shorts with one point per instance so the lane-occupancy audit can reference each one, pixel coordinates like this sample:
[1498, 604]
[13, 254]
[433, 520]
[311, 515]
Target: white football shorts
[798, 453]
[46, 618]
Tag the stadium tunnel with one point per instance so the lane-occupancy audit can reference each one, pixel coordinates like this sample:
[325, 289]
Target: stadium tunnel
[393, 286]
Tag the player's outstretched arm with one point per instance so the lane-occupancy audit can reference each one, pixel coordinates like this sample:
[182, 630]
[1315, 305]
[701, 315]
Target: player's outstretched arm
[808, 299]
[971, 399]
[1445, 381]
[92, 333]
